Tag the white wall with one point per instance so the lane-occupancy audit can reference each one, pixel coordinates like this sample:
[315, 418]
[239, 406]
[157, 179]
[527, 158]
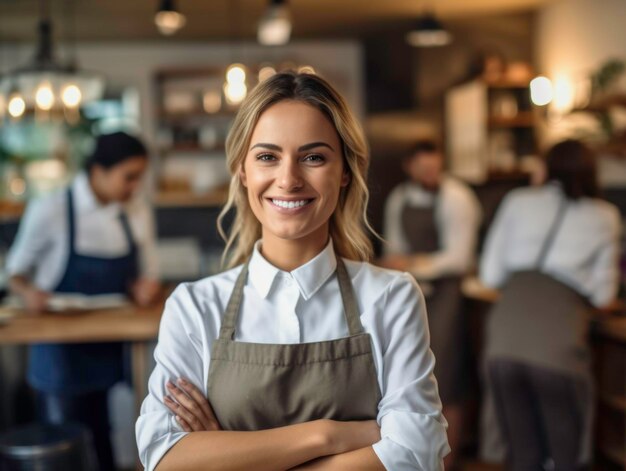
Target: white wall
[576, 36]
[573, 39]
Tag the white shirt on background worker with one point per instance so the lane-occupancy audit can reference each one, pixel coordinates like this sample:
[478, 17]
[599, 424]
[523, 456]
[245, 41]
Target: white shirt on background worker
[305, 306]
[584, 254]
[41, 247]
[458, 215]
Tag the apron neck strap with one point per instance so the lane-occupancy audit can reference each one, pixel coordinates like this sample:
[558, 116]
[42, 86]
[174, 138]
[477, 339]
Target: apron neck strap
[552, 233]
[350, 306]
[71, 225]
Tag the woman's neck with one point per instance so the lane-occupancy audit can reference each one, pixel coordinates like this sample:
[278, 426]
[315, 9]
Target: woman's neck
[95, 188]
[287, 254]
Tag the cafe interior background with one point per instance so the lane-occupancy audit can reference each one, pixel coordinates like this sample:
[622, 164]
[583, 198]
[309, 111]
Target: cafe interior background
[497, 81]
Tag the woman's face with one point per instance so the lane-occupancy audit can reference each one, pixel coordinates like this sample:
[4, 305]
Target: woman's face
[121, 181]
[294, 172]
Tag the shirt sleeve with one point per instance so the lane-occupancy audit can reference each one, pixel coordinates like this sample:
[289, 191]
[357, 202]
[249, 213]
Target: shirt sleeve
[413, 429]
[394, 234]
[459, 218]
[178, 354]
[493, 269]
[604, 273]
[148, 254]
[33, 238]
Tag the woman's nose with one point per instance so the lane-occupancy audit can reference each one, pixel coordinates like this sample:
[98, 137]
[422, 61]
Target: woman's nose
[289, 177]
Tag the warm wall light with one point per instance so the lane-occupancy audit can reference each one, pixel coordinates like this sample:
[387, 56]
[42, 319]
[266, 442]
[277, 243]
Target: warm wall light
[428, 32]
[541, 91]
[275, 24]
[168, 19]
[236, 73]
[563, 95]
[266, 72]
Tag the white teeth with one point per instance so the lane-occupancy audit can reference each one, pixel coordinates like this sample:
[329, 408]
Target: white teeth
[289, 204]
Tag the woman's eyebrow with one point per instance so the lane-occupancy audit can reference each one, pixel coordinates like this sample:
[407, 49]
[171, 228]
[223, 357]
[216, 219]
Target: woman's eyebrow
[305, 147]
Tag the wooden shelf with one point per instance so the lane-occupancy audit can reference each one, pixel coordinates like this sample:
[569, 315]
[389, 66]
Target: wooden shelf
[524, 119]
[602, 104]
[177, 199]
[11, 211]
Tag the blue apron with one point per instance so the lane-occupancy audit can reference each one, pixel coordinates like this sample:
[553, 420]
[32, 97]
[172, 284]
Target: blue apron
[80, 368]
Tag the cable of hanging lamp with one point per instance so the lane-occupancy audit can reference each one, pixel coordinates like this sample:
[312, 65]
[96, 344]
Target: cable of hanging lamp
[428, 32]
[168, 19]
[274, 27]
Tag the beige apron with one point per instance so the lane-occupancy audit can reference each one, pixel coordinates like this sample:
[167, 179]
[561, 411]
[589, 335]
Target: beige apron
[255, 386]
[446, 324]
[540, 321]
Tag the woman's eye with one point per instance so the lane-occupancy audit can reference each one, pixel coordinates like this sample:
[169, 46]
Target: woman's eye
[265, 157]
[314, 158]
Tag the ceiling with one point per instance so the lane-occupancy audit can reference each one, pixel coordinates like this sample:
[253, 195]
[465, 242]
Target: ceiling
[96, 20]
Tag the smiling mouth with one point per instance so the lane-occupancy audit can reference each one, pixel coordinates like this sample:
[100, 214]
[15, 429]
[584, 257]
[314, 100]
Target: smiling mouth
[292, 204]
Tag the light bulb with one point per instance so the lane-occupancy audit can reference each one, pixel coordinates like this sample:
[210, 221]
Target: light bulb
[541, 91]
[17, 106]
[44, 97]
[169, 22]
[236, 73]
[71, 96]
[212, 101]
[235, 92]
[266, 72]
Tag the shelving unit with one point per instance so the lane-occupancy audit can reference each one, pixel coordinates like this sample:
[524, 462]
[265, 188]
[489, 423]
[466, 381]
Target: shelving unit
[489, 127]
[191, 165]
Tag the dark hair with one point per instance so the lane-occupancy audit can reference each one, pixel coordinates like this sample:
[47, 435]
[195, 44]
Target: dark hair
[111, 149]
[573, 164]
[424, 146]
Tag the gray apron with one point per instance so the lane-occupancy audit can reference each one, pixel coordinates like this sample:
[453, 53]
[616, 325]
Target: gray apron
[443, 306]
[540, 321]
[255, 386]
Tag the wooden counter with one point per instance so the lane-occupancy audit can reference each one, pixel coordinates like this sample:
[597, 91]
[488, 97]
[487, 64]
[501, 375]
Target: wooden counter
[127, 324]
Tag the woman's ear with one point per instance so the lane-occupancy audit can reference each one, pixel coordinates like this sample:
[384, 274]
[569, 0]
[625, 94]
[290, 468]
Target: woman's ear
[345, 179]
[242, 177]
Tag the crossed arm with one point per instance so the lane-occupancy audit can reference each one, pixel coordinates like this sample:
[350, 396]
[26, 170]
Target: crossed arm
[319, 444]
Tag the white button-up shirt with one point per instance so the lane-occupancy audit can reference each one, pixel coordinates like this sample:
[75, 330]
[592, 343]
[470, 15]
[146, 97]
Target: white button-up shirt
[584, 254]
[457, 216]
[305, 306]
[41, 248]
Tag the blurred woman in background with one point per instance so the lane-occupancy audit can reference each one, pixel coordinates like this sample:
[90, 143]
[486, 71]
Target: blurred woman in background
[553, 250]
[90, 238]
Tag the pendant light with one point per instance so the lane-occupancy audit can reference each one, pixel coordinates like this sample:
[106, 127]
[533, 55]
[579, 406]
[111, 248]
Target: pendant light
[275, 25]
[168, 19]
[47, 84]
[428, 32]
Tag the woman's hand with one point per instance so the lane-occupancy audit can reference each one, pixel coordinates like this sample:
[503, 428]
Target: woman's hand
[35, 300]
[193, 411]
[144, 291]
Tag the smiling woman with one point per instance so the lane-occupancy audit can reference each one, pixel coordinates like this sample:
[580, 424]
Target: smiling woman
[302, 355]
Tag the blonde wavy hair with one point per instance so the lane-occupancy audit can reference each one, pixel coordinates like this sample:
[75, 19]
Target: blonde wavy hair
[348, 224]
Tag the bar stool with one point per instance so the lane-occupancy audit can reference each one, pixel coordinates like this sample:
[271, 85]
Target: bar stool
[47, 447]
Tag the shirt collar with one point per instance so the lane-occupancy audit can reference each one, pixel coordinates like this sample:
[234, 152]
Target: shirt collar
[309, 277]
[84, 197]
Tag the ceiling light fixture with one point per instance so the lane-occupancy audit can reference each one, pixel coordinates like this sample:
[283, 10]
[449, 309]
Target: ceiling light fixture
[275, 24]
[428, 32]
[47, 84]
[168, 19]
